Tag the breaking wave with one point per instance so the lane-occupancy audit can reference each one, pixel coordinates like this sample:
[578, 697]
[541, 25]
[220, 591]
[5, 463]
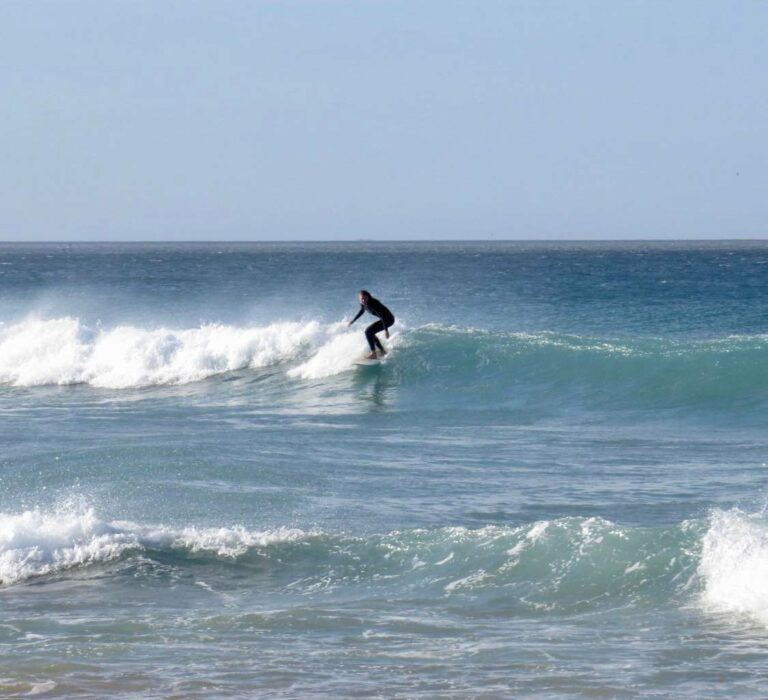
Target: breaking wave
[734, 564]
[37, 543]
[65, 351]
[565, 564]
[492, 367]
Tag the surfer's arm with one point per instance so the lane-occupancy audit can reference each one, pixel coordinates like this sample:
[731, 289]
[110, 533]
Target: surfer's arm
[359, 314]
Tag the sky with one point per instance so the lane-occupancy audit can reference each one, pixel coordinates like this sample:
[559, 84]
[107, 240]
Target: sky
[390, 120]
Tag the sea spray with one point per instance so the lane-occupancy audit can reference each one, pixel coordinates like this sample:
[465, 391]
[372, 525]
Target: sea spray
[65, 351]
[734, 564]
[36, 543]
[337, 355]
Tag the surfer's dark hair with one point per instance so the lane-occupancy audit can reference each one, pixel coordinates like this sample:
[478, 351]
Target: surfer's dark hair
[365, 292]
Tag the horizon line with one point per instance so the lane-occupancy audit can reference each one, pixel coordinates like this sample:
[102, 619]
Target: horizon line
[389, 240]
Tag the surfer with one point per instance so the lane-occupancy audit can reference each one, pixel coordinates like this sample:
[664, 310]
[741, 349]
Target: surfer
[386, 319]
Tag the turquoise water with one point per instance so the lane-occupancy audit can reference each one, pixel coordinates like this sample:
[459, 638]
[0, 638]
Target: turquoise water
[553, 486]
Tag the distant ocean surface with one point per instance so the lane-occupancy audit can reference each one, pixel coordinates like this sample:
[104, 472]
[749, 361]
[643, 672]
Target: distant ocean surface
[554, 487]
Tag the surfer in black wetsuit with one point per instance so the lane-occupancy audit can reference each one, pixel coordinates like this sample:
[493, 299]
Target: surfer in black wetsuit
[386, 319]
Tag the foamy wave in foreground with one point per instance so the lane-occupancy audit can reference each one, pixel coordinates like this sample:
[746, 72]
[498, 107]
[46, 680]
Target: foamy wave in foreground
[734, 564]
[34, 543]
[545, 565]
[37, 543]
[65, 351]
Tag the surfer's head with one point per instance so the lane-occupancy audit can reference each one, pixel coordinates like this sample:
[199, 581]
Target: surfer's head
[364, 296]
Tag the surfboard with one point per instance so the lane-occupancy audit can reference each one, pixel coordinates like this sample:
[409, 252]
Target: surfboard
[365, 362]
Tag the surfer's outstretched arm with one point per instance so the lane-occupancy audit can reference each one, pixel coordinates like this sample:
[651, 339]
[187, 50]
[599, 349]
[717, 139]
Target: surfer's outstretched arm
[359, 314]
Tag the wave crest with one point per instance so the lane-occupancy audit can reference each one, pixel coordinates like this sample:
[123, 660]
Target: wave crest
[477, 367]
[65, 351]
[34, 543]
[37, 543]
[565, 563]
[569, 563]
[734, 564]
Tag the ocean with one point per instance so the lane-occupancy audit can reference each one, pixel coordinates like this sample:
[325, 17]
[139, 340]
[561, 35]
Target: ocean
[553, 487]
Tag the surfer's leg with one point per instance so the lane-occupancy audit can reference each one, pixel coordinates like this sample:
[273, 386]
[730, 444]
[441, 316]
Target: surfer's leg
[386, 325]
[370, 335]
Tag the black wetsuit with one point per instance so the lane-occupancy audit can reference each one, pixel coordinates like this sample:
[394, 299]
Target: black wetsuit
[386, 319]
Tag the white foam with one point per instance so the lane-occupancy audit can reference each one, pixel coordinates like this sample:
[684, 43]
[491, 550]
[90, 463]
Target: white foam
[64, 351]
[334, 357]
[38, 352]
[337, 355]
[37, 543]
[734, 564]
[41, 688]
[34, 543]
[467, 582]
[538, 530]
[128, 357]
[222, 541]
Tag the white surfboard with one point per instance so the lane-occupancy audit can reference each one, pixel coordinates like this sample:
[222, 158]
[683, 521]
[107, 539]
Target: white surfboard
[365, 362]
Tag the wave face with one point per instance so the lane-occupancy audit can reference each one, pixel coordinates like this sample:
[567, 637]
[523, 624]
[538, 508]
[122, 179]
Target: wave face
[632, 372]
[490, 366]
[565, 561]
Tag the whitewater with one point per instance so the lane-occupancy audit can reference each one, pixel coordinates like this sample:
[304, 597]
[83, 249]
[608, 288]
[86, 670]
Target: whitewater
[65, 351]
[554, 485]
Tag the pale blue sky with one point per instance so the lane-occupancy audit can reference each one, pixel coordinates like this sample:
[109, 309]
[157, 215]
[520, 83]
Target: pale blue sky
[383, 120]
